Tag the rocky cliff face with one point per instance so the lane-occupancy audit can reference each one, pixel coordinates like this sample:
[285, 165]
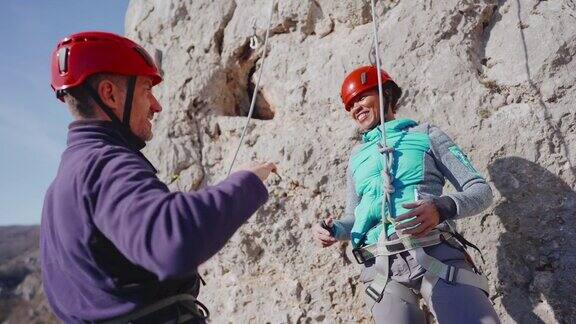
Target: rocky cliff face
[497, 76]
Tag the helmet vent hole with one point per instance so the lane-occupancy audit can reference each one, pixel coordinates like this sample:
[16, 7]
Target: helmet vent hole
[63, 59]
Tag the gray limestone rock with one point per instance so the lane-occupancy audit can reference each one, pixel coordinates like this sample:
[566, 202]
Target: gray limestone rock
[497, 76]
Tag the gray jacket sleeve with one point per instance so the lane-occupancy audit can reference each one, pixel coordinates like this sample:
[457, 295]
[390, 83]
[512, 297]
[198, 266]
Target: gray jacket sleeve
[343, 226]
[474, 194]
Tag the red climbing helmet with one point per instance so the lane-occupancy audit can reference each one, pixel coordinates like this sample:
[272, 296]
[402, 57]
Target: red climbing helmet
[359, 81]
[80, 55]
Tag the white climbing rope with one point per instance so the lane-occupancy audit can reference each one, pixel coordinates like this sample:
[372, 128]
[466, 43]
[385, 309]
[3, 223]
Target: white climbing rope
[255, 93]
[387, 157]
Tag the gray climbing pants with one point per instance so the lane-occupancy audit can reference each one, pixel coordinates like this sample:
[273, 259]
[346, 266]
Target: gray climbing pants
[449, 303]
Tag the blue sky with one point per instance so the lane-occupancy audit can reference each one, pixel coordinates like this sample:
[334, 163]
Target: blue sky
[33, 123]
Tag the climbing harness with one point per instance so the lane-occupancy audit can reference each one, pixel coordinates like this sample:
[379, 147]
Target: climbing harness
[368, 252]
[254, 43]
[186, 307]
[435, 269]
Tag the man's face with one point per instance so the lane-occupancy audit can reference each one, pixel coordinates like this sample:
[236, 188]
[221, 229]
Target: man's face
[144, 106]
[366, 110]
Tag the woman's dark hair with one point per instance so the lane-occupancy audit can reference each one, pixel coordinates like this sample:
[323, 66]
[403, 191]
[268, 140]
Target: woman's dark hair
[392, 92]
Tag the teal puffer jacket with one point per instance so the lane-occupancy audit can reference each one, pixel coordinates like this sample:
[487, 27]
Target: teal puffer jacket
[407, 171]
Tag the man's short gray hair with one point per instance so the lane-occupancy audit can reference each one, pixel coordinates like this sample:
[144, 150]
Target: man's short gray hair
[79, 100]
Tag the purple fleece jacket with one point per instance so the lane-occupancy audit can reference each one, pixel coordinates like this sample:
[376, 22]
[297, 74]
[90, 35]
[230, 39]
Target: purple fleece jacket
[114, 238]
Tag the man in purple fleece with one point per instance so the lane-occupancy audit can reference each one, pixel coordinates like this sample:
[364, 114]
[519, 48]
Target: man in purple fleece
[114, 239]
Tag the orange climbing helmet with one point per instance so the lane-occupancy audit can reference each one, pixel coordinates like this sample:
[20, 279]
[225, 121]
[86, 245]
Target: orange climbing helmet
[81, 55]
[361, 80]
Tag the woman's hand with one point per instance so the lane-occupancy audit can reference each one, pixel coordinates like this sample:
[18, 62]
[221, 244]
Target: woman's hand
[426, 218]
[322, 235]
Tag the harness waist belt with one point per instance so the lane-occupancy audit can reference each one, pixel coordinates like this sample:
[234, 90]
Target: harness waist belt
[365, 253]
[184, 308]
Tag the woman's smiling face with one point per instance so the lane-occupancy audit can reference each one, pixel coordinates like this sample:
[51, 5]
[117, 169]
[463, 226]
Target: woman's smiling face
[365, 110]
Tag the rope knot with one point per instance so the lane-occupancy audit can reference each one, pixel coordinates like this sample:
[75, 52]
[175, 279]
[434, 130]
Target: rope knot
[385, 149]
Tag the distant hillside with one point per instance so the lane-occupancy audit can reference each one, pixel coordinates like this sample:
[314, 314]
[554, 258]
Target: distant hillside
[21, 296]
[16, 240]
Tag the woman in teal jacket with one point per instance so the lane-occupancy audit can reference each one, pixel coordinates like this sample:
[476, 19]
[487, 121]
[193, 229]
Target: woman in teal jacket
[421, 258]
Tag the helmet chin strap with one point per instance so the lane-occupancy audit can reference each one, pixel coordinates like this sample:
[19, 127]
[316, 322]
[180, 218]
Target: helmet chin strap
[125, 122]
[129, 98]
